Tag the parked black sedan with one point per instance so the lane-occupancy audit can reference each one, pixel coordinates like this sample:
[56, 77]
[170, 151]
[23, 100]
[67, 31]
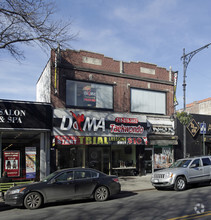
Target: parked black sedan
[66, 184]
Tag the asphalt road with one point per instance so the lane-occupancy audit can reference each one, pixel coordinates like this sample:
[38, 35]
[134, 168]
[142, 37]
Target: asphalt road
[152, 204]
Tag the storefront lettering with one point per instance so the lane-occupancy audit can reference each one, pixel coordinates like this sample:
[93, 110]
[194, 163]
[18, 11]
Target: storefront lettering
[126, 129]
[89, 124]
[11, 112]
[162, 130]
[12, 116]
[93, 123]
[135, 141]
[126, 120]
[90, 140]
[93, 140]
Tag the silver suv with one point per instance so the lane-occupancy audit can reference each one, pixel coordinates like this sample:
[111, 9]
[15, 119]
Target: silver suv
[183, 172]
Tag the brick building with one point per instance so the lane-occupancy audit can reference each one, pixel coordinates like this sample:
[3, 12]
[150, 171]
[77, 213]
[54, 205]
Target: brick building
[202, 107]
[110, 115]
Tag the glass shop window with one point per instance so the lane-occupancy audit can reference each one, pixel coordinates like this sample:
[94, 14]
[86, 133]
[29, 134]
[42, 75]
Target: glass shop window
[124, 156]
[163, 157]
[89, 95]
[146, 101]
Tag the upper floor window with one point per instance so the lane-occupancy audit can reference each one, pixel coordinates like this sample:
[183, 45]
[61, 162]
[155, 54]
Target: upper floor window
[145, 101]
[90, 95]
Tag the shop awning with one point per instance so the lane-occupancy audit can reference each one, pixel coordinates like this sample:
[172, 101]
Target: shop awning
[163, 140]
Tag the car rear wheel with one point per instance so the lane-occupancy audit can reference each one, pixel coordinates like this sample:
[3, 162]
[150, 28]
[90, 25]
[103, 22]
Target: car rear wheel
[101, 194]
[33, 200]
[180, 183]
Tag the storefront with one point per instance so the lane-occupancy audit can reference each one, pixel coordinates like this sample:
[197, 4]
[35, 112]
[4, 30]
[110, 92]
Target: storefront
[162, 142]
[25, 131]
[198, 136]
[109, 142]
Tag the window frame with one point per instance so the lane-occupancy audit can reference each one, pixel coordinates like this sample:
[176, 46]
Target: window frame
[57, 178]
[148, 90]
[88, 107]
[206, 158]
[193, 162]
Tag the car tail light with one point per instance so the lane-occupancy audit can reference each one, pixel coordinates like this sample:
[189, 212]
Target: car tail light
[115, 180]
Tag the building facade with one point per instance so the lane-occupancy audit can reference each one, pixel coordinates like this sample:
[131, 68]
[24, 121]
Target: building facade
[110, 115]
[25, 134]
[198, 136]
[202, 107]
[198, 139]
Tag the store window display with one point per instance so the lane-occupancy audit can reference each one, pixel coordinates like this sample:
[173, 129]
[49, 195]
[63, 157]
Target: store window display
[163, 157]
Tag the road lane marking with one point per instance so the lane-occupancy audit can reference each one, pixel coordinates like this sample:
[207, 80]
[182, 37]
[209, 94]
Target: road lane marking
[193, 216]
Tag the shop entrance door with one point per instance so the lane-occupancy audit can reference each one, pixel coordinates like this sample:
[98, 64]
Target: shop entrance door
[148, 159]
[69, 157]
[208, 148]
[99, 158]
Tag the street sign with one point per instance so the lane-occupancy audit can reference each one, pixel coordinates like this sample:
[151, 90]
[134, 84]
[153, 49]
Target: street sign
[203, 128]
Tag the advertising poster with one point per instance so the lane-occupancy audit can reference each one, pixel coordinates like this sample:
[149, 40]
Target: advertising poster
[89, 96]
[30, 162]
[12, 163]
[163, 159]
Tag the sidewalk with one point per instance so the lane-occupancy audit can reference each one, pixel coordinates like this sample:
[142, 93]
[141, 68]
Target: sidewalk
[136, 183]
[128, 183]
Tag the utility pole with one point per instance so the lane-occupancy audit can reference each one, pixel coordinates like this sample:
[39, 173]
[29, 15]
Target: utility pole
[186, 60]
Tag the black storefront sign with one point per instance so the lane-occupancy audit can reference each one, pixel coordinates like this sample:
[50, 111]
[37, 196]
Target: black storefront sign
[193, 128]
[25, 115]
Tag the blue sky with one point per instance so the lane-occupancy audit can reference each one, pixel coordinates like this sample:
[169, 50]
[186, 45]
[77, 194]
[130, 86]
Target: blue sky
[152, 31]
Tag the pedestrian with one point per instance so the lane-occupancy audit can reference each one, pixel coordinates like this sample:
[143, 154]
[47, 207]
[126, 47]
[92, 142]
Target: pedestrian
[4, 179]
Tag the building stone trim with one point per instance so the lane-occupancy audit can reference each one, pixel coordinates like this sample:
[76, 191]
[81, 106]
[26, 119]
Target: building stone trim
[116, 74]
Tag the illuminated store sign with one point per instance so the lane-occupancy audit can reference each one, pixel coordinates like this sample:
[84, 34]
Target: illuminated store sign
[82, 140]
[82, 123]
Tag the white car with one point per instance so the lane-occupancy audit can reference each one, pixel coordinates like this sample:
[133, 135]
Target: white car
[183, 172]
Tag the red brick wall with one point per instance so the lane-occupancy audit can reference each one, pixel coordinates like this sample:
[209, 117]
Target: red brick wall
[121, 90]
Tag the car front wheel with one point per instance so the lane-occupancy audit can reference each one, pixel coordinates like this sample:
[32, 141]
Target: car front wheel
[33, 200]
[101, 194]
[180, 183]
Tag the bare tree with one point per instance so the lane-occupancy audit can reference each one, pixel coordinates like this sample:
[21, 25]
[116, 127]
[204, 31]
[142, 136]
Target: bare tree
[28, 21]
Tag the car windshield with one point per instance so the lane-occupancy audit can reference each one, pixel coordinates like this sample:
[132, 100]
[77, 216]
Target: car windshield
[46, 179]
[181, 163]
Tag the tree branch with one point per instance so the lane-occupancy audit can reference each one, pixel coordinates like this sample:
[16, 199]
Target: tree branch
[28, 21]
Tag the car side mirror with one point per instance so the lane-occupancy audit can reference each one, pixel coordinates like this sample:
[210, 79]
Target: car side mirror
[53, 181]
[193, 165]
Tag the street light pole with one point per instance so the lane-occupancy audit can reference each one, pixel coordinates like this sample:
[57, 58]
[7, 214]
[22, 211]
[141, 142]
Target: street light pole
[186, 60]
[184, 101]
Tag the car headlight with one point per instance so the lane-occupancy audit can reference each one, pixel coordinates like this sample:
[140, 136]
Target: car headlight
[169, 175]
[16, 191]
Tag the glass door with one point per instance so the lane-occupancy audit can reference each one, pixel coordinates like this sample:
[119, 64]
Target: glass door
[99, 158]
[148, 160]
